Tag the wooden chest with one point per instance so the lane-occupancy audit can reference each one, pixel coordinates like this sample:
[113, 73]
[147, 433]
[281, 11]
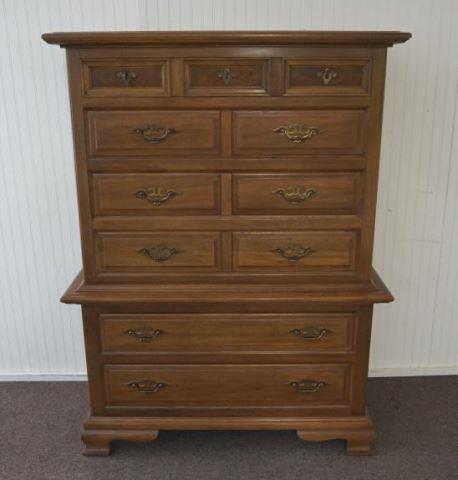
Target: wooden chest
[227, 188]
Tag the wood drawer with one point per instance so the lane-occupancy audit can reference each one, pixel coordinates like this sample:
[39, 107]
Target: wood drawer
[153, 252]
[223, 77]
[295, 333]
[299, 132]
[226, 385]
[156, 194]
[327, 193]
[330, 251]
[327, 77]
[153, 132]
[126, 77]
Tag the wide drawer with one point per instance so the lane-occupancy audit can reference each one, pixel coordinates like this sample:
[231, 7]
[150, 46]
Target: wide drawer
[156, 194]
[330, 251]
[338, 193]
[223, 77]
[269, 333]
[153, 132]
[226, 385]
[327, 77]
[299, 132]
[126, 77]
[154, 252]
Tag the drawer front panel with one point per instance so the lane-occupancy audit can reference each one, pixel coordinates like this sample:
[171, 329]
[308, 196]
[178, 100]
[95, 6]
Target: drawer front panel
[299, 132]
[327, 77]
[226, 385]
[295, 333]
[156, 194]
[150, 133]
[126, 78]
[295, 251]
[152, 252]
[297, 194]
[223, 77]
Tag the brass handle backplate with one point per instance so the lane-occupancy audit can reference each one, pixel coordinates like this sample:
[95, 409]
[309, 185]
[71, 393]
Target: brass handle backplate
[226, 75]
[293, 252]
[153, 133]
[144, 334]
[156, 195]
[160, 253]
[126, 76]
[327, 75]
[307, 386]
[146, 387]
[295, 194]
[310, 333]
[297, 132]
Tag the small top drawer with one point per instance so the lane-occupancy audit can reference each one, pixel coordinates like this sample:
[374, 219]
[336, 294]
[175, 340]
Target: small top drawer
[224, 77]
[106, 78]
[327, 77]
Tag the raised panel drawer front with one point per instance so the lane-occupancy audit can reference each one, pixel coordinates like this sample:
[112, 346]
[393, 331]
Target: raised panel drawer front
[298, 333]
[331, 251]
[222, 77]
[130, 77]
[156, 194]
[327, 77]
[328, 193]
[153, 132]
[299, 132]
[226, 385]
[153, 252]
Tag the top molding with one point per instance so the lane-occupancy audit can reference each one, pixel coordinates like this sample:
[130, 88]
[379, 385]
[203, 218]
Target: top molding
[216, 38]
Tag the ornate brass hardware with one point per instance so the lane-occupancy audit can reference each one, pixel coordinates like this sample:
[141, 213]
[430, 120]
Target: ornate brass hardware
[226, 75]
[307, 386]
[327, 75]
[310, 333]
[156, 195]
[293, 252]
[160, 253]
[146, 387]
[295, 194]
[126, 76]
[144, 334]
[154, 133]
[297, 132]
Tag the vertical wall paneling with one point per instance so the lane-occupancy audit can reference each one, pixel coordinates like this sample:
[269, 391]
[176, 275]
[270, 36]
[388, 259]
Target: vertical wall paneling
[417, 214]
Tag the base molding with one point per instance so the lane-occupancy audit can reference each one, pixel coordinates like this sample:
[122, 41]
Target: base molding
[99, 432]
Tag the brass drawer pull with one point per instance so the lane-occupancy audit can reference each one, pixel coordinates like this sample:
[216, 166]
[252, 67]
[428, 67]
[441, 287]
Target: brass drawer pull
[310, 333]
[226, 75]
[154, 133]
[146, 387]
[293, 252]
[327, 75]
[144, 334]
[307, 386]
[126, 76]
[295, 195]
[297, 132]
[156, 195]
[160, 253]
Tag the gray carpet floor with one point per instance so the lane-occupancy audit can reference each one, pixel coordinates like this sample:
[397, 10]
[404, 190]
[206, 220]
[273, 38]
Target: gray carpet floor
[417, 439]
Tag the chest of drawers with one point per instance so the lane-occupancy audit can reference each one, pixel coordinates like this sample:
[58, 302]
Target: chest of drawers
[227, 188]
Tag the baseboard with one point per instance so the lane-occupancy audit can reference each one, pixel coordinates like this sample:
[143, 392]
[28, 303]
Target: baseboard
[373, 372]
[413, 371]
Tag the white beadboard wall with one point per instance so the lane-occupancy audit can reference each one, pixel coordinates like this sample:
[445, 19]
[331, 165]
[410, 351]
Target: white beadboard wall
[417, 223]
